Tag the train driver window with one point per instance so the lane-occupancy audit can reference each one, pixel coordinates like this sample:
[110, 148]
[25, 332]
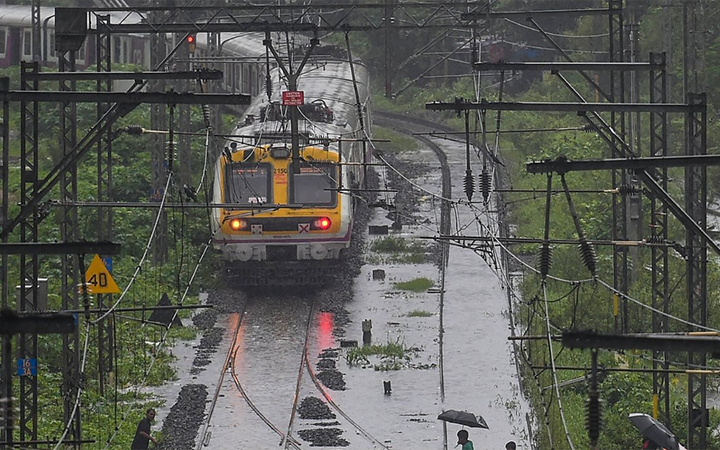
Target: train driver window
[316, 184]
[247, 184]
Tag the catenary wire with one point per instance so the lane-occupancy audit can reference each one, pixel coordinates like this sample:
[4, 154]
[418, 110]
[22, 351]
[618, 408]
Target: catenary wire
[145, 253]
[554, 371]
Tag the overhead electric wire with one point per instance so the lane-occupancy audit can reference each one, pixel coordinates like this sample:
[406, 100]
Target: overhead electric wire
[517, 44]
[554, 371]
[80, 388]
[585, 36]
[655, 310]
[148, 246]
[415, 185]
[600, 281]
[162, 340]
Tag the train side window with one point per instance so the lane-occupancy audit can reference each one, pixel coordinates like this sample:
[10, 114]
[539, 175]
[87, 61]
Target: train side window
[80, 55]
[51, 54]
[3, 41]
[27, 43]
[116, 49]
[126, 51]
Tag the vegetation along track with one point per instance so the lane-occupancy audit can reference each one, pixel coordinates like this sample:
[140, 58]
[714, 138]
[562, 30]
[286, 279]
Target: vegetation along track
[274, 354]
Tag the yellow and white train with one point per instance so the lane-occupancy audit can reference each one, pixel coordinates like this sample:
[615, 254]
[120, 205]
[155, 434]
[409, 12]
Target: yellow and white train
[284, 220]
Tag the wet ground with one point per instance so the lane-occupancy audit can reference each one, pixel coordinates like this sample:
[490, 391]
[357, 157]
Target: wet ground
[478, 370]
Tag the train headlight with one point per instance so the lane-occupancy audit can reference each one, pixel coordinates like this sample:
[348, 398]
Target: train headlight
[322, 223]
[238, 224]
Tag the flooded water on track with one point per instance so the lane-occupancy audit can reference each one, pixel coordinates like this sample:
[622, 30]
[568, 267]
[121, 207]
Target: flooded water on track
[479, 372]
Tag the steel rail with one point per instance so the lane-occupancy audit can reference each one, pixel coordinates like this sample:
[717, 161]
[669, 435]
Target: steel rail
[230, 363]
[303, 359]
[445, 227]
[204, 436]
[337, 408]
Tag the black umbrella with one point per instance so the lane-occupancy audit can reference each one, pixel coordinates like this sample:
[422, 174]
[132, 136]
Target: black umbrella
[654, 430]
[463, 418]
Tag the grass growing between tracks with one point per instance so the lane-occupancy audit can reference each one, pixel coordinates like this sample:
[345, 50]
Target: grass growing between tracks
[390, 356]
[421, 284]
[400, 250]
[420, 313]
[398, 142]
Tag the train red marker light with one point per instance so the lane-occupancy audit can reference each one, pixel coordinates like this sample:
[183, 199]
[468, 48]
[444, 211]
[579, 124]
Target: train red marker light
[237, 224]
[322, 223]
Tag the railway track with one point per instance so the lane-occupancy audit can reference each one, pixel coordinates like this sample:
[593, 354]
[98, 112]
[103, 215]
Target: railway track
[278, 408]
[268, 366]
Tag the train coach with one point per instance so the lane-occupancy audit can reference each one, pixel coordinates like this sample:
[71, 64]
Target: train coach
[243, 71]
[285, 220]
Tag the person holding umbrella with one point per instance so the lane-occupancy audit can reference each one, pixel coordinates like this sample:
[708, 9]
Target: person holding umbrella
[464, 441]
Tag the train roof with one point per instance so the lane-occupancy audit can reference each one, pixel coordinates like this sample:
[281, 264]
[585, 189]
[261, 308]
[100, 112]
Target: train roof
[245, 44]
[21, 16]
[328, 81]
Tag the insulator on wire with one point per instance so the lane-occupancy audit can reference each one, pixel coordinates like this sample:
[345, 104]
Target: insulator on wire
[655, 240]
[593, 417]
[587, 253]
[135, 130]
[206, 116]
[545, 259]
[628, 189]
[485, 182]
[469, 185]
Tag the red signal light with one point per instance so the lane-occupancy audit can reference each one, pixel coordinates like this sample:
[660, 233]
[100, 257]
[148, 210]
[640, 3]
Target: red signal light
[190, 39]
[323, 223]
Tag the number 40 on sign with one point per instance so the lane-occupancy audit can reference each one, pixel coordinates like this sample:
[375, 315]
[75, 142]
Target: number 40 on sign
[98, 278]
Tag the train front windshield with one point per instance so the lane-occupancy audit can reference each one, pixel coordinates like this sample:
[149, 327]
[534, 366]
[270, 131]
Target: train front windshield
[316, 184]
[247, 185]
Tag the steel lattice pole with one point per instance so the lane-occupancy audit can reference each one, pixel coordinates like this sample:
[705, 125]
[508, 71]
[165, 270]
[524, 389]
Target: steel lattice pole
[68, 233]
[659, 254]
[104, 185]
[29, 265]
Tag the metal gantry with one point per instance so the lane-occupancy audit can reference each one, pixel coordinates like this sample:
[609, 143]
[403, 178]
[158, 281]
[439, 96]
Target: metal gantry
[6, 356]
[696, 205]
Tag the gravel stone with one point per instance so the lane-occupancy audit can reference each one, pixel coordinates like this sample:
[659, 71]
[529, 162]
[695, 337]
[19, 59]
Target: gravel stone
[325, 364]
[208, 346]
[324, 437]
[205, 319]
[181, 425]
[332, 379]
[314, 409]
